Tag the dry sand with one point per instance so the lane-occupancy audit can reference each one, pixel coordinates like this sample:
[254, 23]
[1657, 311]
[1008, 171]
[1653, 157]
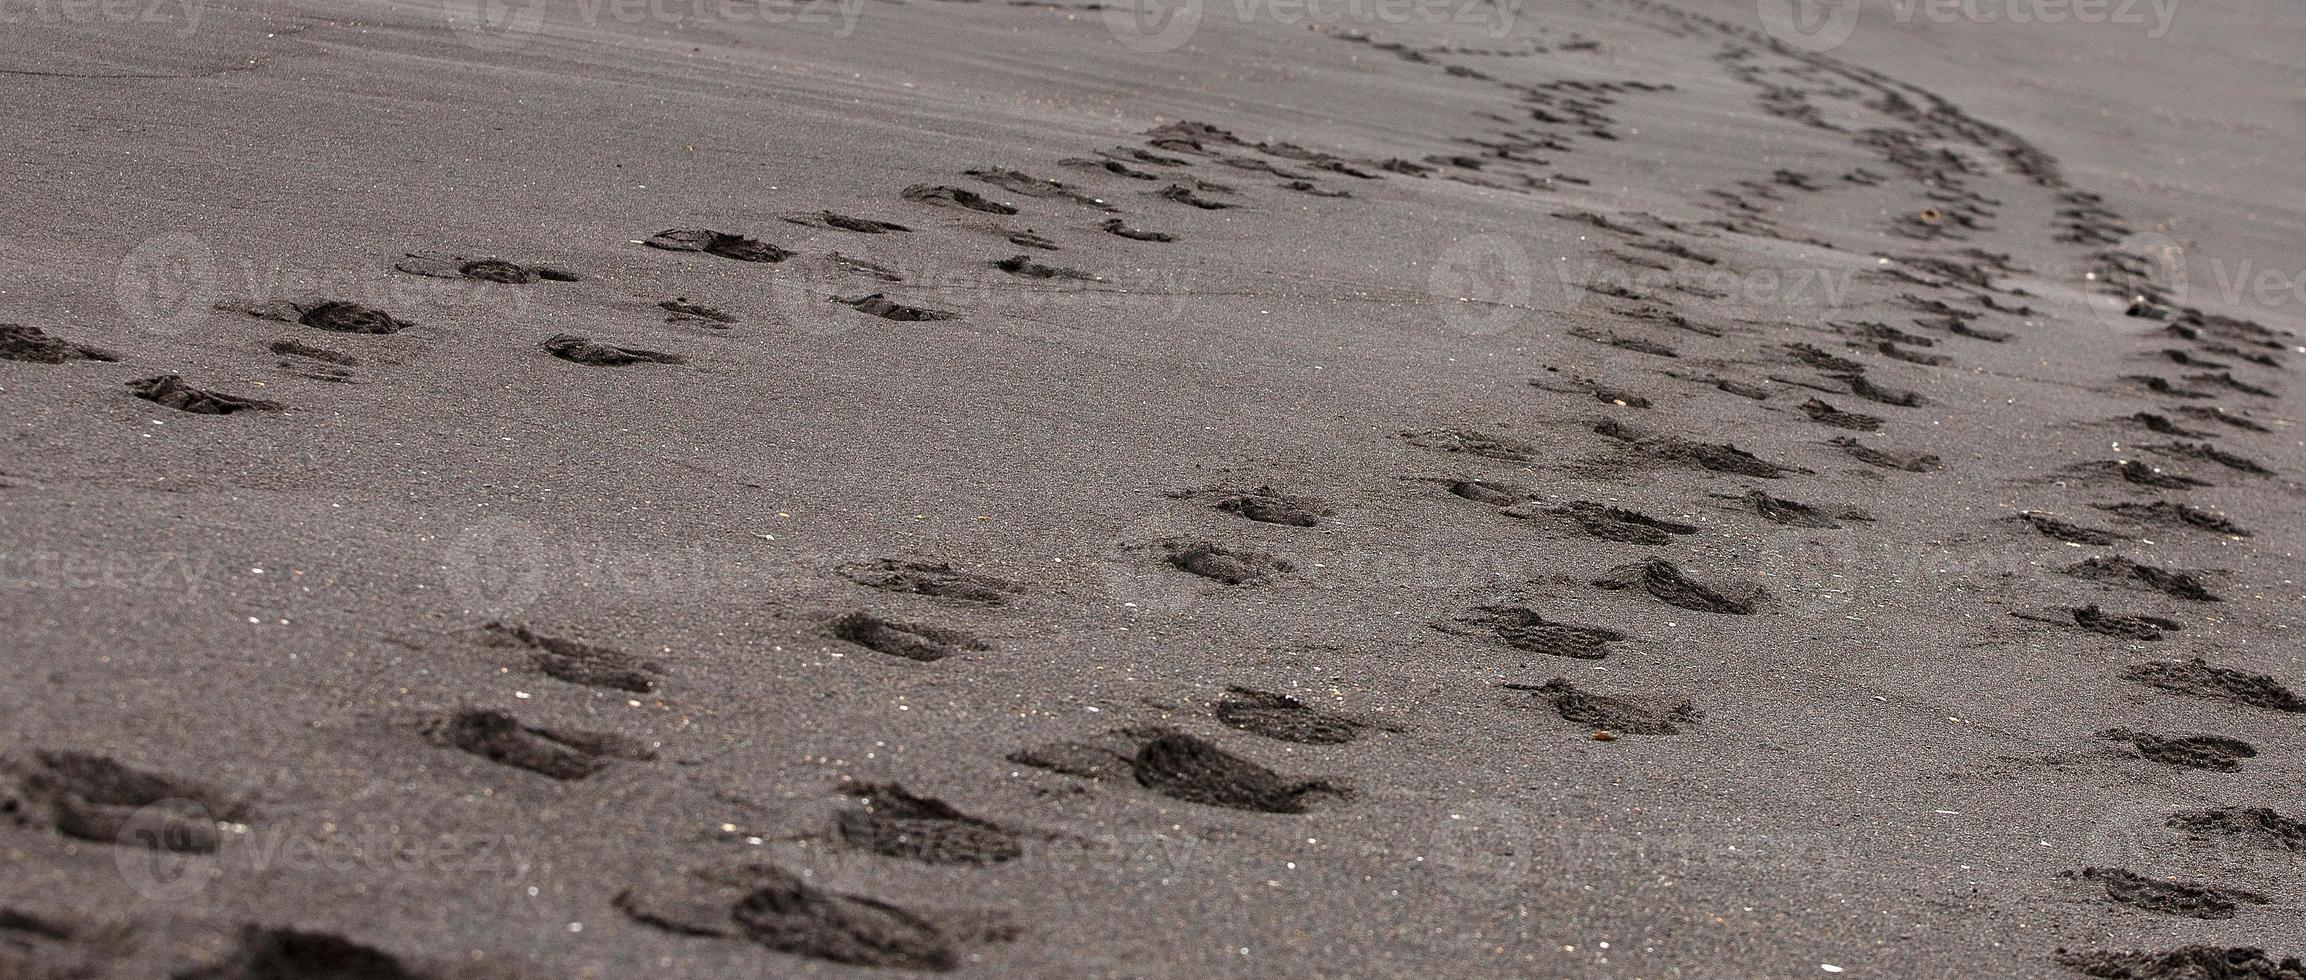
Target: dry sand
[1696, 509]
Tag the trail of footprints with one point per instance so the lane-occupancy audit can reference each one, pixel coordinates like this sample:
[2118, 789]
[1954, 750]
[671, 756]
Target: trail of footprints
[97, 799]
[2207, 347]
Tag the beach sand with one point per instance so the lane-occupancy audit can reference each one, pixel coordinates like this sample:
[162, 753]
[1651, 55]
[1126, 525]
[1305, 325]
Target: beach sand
[743, 490]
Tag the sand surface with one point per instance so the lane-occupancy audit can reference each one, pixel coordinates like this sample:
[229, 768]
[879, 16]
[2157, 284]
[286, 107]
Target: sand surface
[1580, 490]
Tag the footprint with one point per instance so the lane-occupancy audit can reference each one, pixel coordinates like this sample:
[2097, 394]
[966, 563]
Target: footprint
[45, 947]
[1888, 459]
[2226, 379]
[1794, 513]
[1132, 154]
[2209, 413]
[2146, 629]
[870, 270]
[1606, 394]
[1866, 389]
[911, 641]
[2131, 627]
[263, 953]
[1267, 505]
[1665, 580]
[1895, 352]
[1606, 522]
[1818, 357]
[335, 316]
[1820, 410]
[2190, 359]
[1024, 266]
[1316, 190]
[2130, 574]
[1227, 565]
[777, 909]
[93, 798]
[1114, 167]
[1473, 444]
[292, 347]
[723, 244]
[1742, 389]
[1279, 716]
[1617, 716]
[171, 391]
[2068, 532]
[2182, 963]
[880, 305]
[1184, 195]
[1261, 166]
[2208, 452]
[896, 823]
[1118, 227]
[934, 579]
[2164, 386]
[1027, 238]
[684, 311]
[1031, 186]
[1188, 136]
[2160, 423]
[2216, 753]
[1718, 457]
[578, 662]
[1106, 757]
[2177, 515]
[441, 265]
[2173, 898]
[1183, 767]
[1489, 491]
[2256, 825]
[2199, 678]
[831, 219]
[558, 753]
[582, 350]
[941, 196]
[22, 343]
[1636, 344]
[1523, 628]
